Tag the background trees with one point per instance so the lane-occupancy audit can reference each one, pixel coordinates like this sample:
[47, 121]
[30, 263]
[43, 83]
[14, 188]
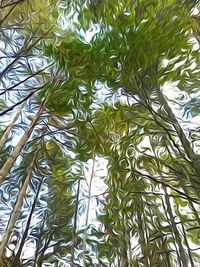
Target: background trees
[100, 162]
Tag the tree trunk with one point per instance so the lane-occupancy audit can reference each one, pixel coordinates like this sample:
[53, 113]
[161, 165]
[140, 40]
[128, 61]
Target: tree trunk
[9, 128]
[87, 212]
[127, 254]
[142, 236]
[16, 152]
[183, 259]
[17, 207]
[192, 156]
[172, 234]
[16, 259]
[75, 225]
[40, 259]
[8, 14]
[40, 241]
[186, 242]
[146, 101]
[123, 253]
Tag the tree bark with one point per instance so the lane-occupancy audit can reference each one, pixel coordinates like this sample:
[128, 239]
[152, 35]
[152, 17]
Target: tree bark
[146, 101]
[16, 259]
[192, 156]
[186, 242]
[17, 207]
[16, 152]
[141, 235]
[75, 225]
[87, 212]
[126, 251]
[8, 14]
[9, 128]
[183, 259]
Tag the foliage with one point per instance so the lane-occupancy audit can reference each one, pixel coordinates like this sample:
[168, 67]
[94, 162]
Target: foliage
[100, 163]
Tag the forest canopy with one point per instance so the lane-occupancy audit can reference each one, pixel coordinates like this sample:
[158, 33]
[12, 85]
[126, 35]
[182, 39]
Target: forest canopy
[99, 133]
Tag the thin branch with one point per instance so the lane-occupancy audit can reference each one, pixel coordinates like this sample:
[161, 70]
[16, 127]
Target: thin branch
[11, 4]
[26, 79]
[21, 101]
[167, 185]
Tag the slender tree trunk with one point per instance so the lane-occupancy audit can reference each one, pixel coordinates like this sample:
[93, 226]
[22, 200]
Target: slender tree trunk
[196, 214]
[126, 257]
[87, 212]
[10, 4]
[172, 234]
[75, 225]
[165, 254]
[16, 259]
[40, 240]
[142, 237]
[182, 254]
[123, 253]
[17, 207]
[9, 128]
[16, 152]
[179, 169]
[128, 240]
[188, 247]
[183, 176]
[192, 156]
[40, 259]
[186, 242]
[7, 14]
